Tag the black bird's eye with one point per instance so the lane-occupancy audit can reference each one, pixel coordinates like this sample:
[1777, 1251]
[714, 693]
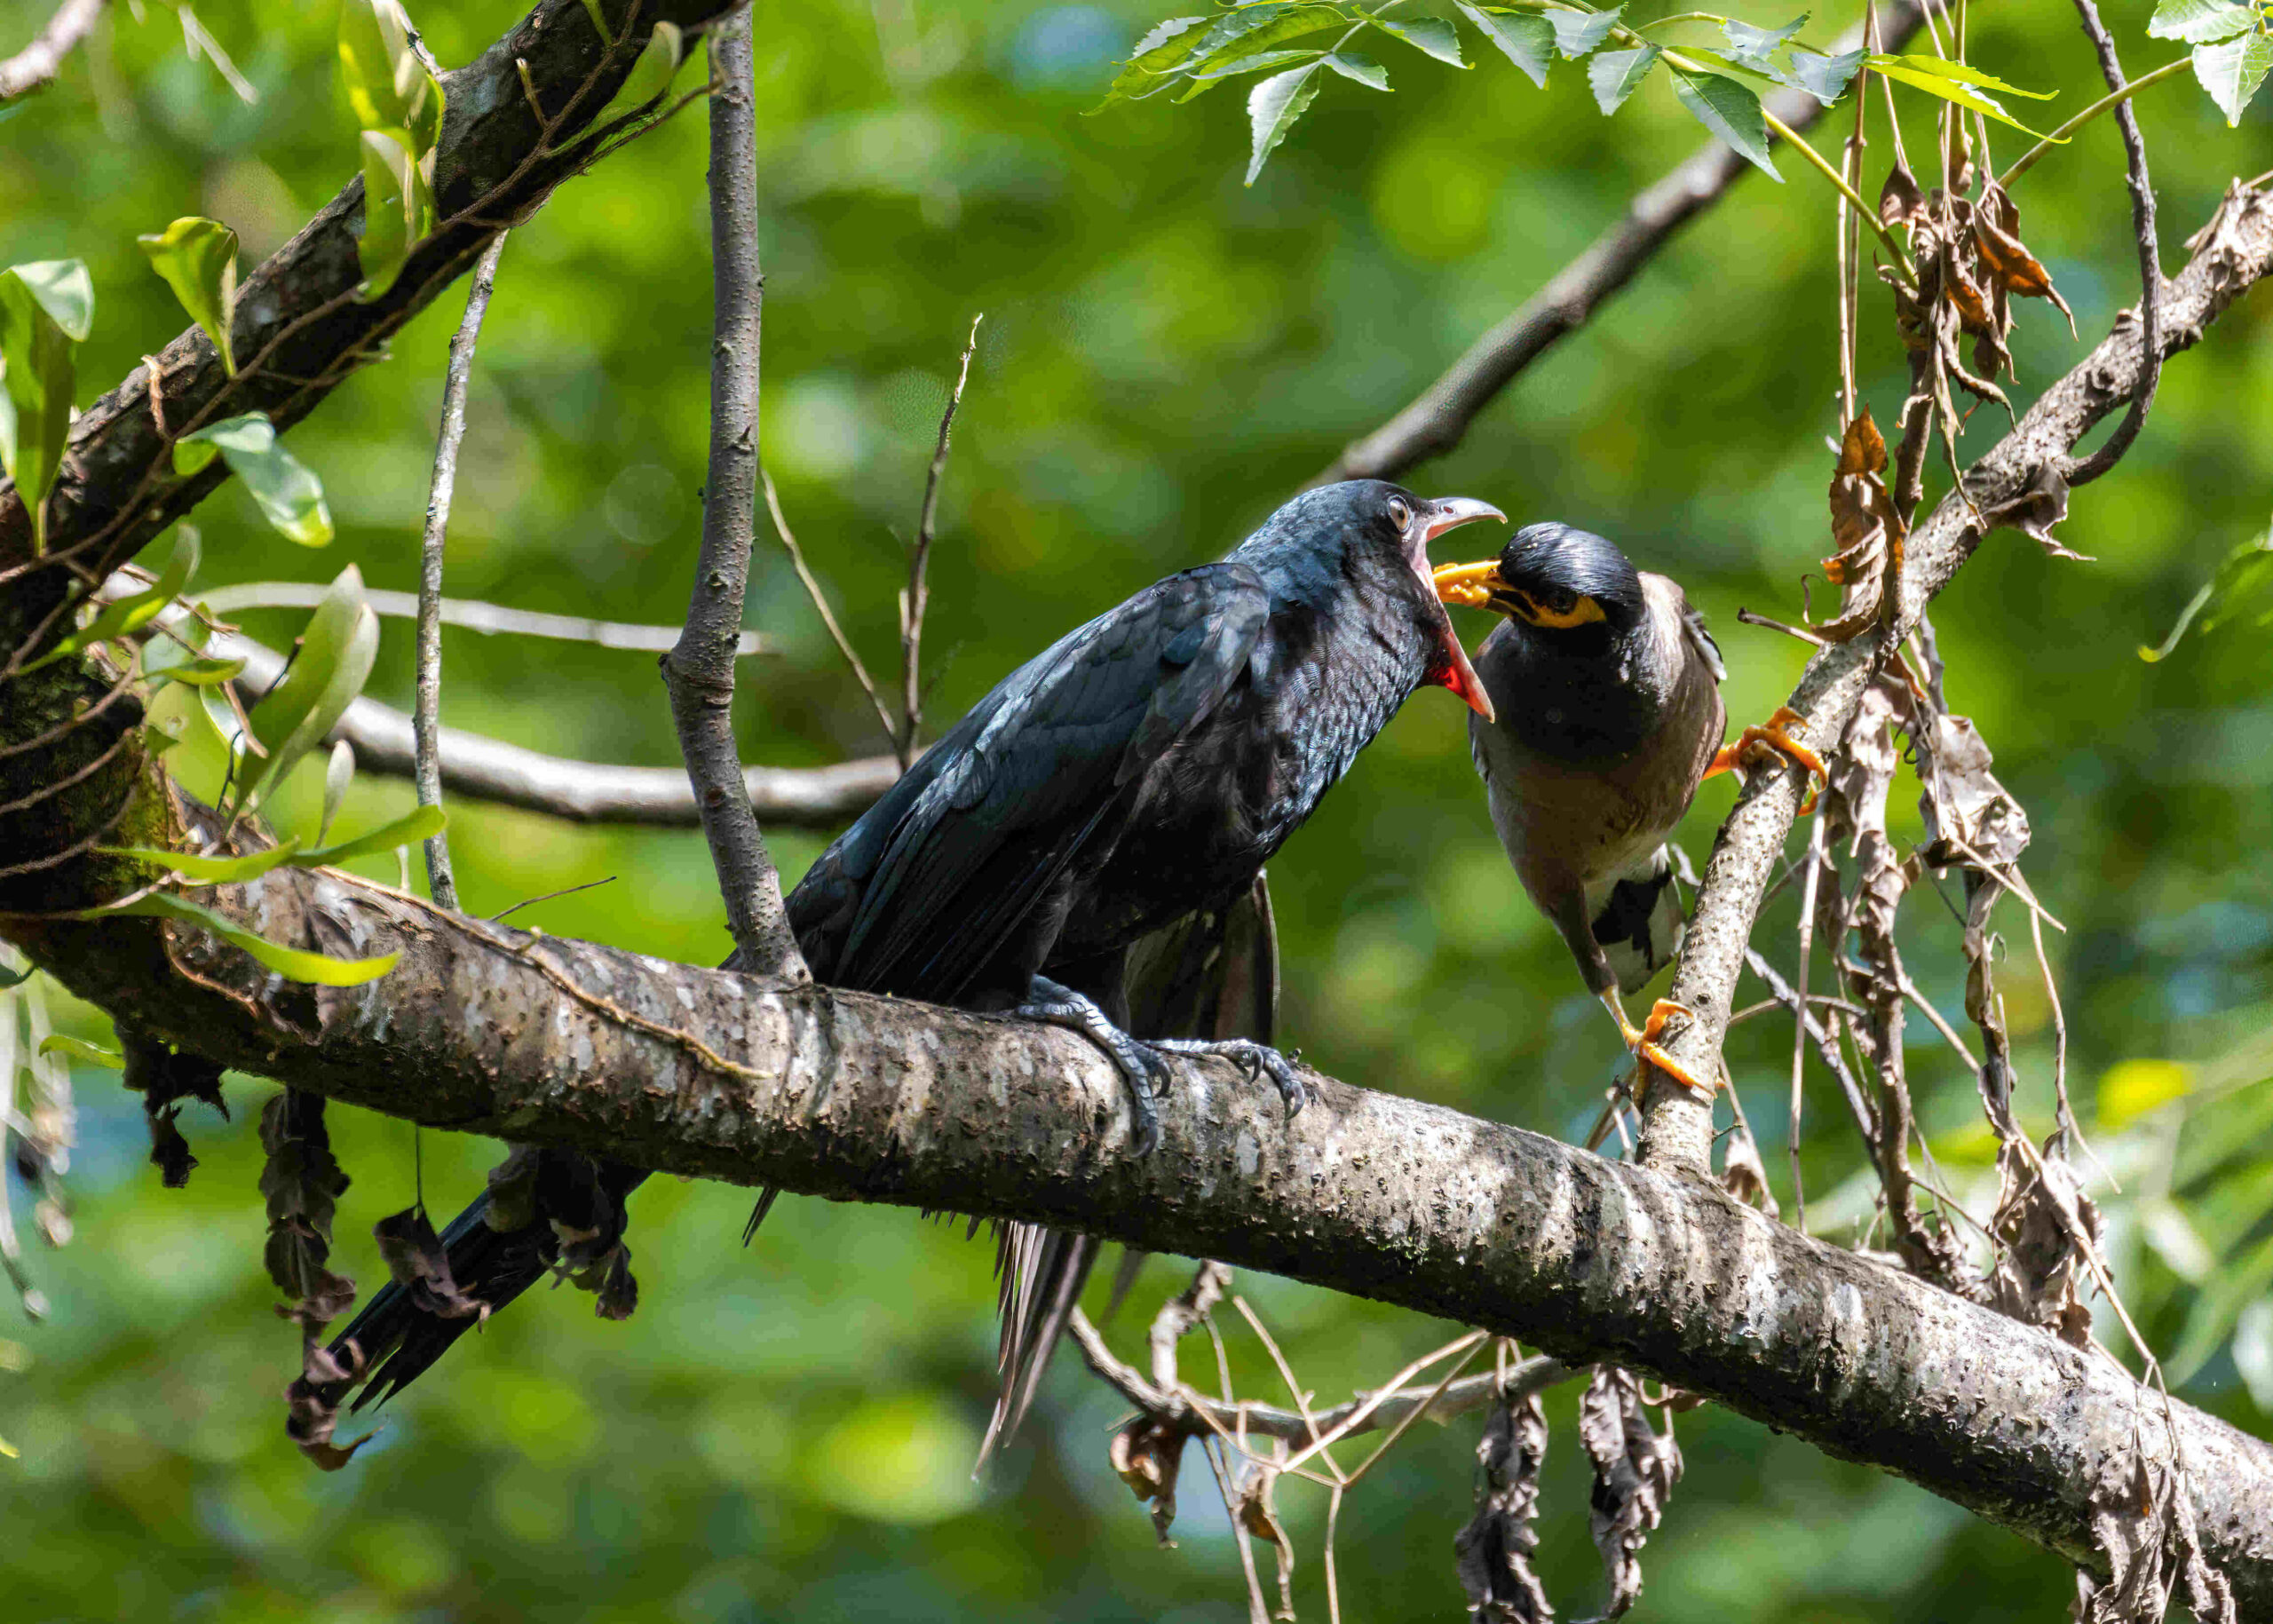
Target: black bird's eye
[1400, 512]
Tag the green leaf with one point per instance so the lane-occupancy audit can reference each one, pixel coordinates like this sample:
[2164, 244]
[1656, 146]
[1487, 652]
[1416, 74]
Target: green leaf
[1255, 64]
[398, 209]
[1730, 111]
[1272, 106]
[288, 492]
[46, 307]
[1576, 33]
[423, 824]
[1942, 67]
[1157, 58]
[1826, 78]
[2232, 72]
[79, 1048]
[599, 21]
[338, 773]
[335, 660]
[1934, 84]
[1616, 75]
[651, 75]
[198, 258]
[2200, 22]
[198, 673]
[1363, 70]
[290, 963]
[1755, 46]
[388, 85]
[1432, 35]
[207, 869]
[1526, 41]
[2241, 573]
[124, 616]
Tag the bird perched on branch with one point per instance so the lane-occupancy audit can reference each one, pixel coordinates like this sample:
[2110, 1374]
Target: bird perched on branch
[1605, 718]
[1143, 768]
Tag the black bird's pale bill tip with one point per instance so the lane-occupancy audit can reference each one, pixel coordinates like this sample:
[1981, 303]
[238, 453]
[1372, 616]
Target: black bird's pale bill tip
[1450, 513]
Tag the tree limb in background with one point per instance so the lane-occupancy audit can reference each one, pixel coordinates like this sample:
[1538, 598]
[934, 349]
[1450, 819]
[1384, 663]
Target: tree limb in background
[700, 671]
[36, 65]
[425, 719]
[1436, 419]
[465, 614]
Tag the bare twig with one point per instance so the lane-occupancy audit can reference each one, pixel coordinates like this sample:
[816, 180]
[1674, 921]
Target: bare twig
[37, 63]
[467, 614]
[700, 671]
[1436, 419]
[2083, 471]
[425, 717]
[917, 597]
[827, 615]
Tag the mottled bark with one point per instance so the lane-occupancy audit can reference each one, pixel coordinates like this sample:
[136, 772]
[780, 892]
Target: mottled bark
[863, 1098]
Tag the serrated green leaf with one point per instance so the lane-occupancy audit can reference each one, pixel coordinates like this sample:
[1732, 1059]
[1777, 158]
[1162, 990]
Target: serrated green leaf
[1272, 106]
[124, 616]
[335, 660]
[338, 773]
[398, 209]
[1432, 35]
[46, 307]
[1730, 111]
[651, 75]
[1950, 91]
[198, 259]
[1826, 78]
[79, 1048]
[288, 491]
[1258, 63]
[423, 824]
[1526, 41]
[1615, 75]
[2200, 22]
[388, 85]
[1151, 66]
[207, 869]
[1942, 67]
[1755, 46]
[1256, 31]
[2232, 72]
[1363, 70]
[290, 963]
[1577, 33]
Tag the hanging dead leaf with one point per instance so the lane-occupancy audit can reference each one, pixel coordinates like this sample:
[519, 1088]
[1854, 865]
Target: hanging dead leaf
[1147, 1455]
[1996, 233]
[1743, 1174]
[414, 1255]
[1493, 1552]
[1969, 816]
[1900, 201]
[1635, 1472]
[2045, 1223]
[1252, 1504]
[302, 1183]
[311, 1404]
[164, 1076]
[2040, 504]
[1865, 527]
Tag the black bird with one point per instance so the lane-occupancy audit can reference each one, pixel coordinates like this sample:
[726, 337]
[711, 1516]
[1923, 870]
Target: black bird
[1143, 767]
[1607, 716]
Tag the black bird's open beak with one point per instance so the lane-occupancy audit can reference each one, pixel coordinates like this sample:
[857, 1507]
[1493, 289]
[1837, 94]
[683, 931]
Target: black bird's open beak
[1435, 518]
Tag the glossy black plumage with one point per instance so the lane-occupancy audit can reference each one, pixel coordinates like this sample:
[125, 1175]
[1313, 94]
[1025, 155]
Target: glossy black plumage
[1143, 768]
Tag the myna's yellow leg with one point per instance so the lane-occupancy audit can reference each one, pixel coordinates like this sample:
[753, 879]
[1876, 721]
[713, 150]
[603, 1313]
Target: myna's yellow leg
[1643, 1041]
[1778, 733]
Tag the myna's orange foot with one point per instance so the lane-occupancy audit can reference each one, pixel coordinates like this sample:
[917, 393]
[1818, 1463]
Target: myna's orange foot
[1646, 1051]
[1777, 734]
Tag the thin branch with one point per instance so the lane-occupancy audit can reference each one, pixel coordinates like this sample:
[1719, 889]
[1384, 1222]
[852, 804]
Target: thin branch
[2083, 471]
[917, 597]
[827, 615]
[699, 672]
[425, 716]
[1435, 420]
[467, 614]
[479, 768]
[2029, 160]
[36, 65]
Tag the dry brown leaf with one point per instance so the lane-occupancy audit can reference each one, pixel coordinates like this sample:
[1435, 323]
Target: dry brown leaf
[164, 1076]
[1252, 1505]
[1865, 528]
[1147, 1455]
[2146, 1530]
[2045, 1221]
[1743, 1174]
[1995, 235]
[1969, 816]
[1900, 201]
[303, 1182]
[1635, 1472]
[311, 1404]
[416, 1257]
[1493, 1552]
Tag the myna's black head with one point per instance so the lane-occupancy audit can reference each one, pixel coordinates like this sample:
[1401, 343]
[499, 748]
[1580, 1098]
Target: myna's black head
[1371, 530]
[1556, 578]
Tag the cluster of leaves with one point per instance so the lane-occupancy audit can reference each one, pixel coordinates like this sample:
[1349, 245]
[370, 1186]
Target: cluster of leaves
[1190, 55]
[2233, 46]
[397, 100]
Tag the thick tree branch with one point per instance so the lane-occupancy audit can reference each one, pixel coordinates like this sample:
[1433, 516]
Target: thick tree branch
[699, 671]
[484, 769]
[37, 63]
[2020, 478]
[855, 1098]
[1437, 418]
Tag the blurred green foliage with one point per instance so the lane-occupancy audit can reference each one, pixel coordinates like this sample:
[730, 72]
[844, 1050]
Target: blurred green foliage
[784, 1432]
